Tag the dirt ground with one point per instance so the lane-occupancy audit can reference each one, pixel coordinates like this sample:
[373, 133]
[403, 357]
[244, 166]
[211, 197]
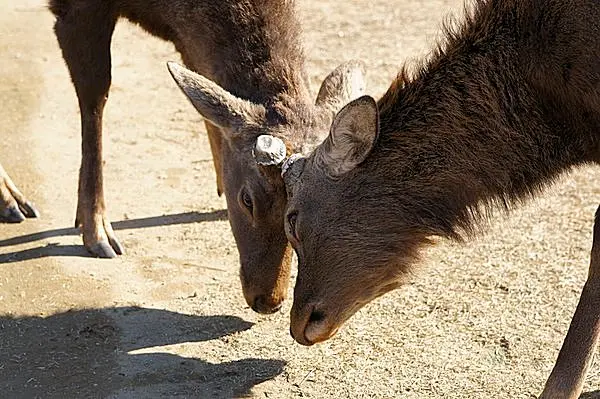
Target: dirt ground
[483, 320]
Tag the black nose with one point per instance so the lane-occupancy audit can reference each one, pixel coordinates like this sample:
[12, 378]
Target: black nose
[316, 316]
[261, 305]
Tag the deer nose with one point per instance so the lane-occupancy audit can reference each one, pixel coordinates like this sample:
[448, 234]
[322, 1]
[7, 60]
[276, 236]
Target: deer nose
[316, 316]
[299, 322]
[265, 305]
[310, 325]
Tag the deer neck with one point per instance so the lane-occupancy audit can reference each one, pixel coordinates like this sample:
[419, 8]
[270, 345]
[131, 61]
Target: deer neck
[474, 129]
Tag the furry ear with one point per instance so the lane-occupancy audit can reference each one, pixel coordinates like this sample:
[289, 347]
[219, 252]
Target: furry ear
[214, 103]
[344, 84]
[352, 136]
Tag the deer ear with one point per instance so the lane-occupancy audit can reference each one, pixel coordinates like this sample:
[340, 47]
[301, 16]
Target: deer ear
[344, 84]
[352, 136]
[214, 103]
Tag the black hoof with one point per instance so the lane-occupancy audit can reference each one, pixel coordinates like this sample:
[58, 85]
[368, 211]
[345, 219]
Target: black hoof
[29, 210]
[12, 214]
[116, 245]
[102, 249]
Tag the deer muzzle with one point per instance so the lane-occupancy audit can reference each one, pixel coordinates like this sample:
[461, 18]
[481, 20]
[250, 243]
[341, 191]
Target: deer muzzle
[310, 325]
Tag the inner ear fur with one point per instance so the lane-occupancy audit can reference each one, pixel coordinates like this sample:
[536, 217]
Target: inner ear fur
[344, 84]
[352, 136]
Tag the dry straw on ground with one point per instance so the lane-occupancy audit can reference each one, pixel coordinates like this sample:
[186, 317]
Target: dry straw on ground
[483, 320]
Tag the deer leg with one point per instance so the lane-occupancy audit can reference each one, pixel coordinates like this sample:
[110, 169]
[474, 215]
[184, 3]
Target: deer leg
[215, 139]
[575, 356]
[84, 31]
[14, 207]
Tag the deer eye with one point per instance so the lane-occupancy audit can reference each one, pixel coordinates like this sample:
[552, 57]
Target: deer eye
[291, 219]
[247, 200]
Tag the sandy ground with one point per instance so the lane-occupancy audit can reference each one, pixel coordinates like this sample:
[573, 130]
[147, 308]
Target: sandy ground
[483, 320]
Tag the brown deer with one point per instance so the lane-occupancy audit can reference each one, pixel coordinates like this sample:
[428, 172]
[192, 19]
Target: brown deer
[14, 207]
[254, 82]
[507, 103]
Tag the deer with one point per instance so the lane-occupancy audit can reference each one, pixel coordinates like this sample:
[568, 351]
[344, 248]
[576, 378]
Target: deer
[506, 102]
[14, 207]
[245, 73]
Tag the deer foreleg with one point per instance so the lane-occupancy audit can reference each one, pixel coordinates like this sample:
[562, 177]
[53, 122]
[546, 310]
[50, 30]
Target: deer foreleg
[567, 377]
[84, 31]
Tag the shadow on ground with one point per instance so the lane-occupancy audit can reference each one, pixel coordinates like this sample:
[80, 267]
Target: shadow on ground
[88, 353]
[52, 250]
[590, 395]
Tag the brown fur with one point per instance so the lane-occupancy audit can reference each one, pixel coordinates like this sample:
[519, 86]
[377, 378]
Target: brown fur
[251, 51]
[506, 104]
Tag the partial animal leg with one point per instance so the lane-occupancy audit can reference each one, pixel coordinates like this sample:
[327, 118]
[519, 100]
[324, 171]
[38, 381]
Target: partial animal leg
[84, 30]
[567, 377]
[14, 207]
[215, 139]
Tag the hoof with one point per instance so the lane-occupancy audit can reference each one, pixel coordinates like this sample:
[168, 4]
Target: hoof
[116, 246]
[98, 236]
[12, 214]
[29, 210]
[102, 249]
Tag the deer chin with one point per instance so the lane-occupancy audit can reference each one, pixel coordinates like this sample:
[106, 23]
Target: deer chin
[315, 322]
[319, 332]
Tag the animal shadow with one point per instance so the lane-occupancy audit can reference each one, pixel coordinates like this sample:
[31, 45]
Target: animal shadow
[52, 250]
[590, 395]
[111, 353]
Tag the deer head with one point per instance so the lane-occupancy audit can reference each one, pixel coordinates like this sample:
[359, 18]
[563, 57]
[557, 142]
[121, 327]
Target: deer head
[346, 257]
[255, 140]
